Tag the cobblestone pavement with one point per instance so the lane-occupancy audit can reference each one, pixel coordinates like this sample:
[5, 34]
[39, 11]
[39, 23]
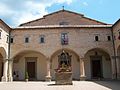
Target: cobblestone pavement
[77, 85]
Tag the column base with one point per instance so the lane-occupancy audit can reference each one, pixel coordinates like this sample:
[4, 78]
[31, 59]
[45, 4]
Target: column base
[4, 79]
[118, 76]
[10, 79]
[48, 78]
[113, 76]
[82, 78]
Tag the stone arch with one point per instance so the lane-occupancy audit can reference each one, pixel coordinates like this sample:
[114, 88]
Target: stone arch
[97, 64]
[34, 60]
[118, 50]
[3, 55]
[118, 62]
[3, 52]
[59, 50]
[74, 62]
[97, 48]
[25, 51]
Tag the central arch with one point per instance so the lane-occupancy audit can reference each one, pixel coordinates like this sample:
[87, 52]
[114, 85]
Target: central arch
[29, 61]
[74, 63]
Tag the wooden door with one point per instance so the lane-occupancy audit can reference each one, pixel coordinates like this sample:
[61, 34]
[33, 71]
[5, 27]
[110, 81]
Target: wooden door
[31, 69]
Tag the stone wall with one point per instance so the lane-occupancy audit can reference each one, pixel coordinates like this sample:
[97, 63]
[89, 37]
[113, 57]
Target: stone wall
[80, 40]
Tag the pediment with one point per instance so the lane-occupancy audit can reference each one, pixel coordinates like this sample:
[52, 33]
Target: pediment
[63, 17]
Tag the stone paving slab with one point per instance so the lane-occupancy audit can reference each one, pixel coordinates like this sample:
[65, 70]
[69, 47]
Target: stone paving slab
[77, 85]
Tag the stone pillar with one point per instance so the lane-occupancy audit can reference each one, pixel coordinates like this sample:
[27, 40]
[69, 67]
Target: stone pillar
[48, 76]
[10, 66]
[113, 65]
[82, 69]
[118, 67]
[5, 69]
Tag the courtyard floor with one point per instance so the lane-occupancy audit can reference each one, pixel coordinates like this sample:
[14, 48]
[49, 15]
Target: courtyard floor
[77, 85]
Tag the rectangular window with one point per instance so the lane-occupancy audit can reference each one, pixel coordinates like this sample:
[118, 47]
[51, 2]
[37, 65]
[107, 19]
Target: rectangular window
[0, 34]
[96, 38]
[42, 39]
[119, 36]
[64, 39]
[11, 40]
[7, 41]
[26, 39]
[109, 38]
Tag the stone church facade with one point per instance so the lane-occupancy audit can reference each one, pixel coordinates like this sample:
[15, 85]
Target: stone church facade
[34, 47]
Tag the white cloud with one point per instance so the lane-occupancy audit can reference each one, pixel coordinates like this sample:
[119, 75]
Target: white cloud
[20, 11]
[64, 1]
[85, 3]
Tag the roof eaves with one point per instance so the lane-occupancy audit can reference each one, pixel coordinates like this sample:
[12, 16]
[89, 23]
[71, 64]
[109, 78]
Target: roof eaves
[116, 22]
[5, 24]
[65, 26]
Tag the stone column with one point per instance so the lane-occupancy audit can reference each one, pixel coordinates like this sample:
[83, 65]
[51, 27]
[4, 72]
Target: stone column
[48, 76]
[10, 66]
[118, 67]
[5, 69]
[82, 69]
[113, 68]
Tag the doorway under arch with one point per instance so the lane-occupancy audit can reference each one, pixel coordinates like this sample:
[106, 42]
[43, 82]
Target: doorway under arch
[32, 62]
[97, 64]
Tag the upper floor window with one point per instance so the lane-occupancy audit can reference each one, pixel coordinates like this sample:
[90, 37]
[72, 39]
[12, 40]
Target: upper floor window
[11, 40]
[7, 41]
[26, 39]
[63, 23]
[119, 36]
[64, 38]
[42, 38]
[96, 38]
[109, 38]
[0, 35]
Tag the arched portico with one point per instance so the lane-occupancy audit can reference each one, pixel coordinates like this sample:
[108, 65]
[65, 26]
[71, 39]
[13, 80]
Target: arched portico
[74, 63]
[32, 62]
[118, 62]
[97, 64]
[3, 64]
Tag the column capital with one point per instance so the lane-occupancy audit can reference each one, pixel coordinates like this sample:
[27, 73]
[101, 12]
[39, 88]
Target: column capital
[82, 58]
[8, 59]
[5, 60]
[11, 59]
[47, 58]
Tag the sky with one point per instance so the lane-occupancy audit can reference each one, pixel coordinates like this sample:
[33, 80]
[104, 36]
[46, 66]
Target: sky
[15, 12]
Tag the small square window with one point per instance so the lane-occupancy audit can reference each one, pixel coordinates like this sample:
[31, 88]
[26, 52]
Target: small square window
[26, 39]
[11, 40]
[0, 35]
[119, 33]
[42, 39]
[109, 38]
[96, 38]
[7, 41]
